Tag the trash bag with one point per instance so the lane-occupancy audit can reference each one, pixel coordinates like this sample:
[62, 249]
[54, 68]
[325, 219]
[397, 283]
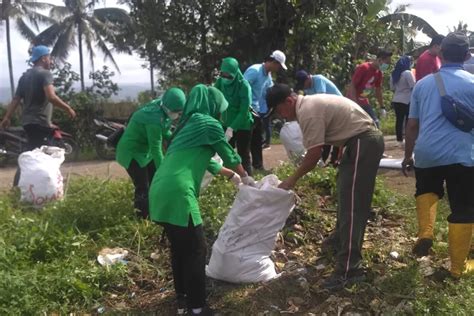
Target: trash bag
[241, 253]
[41, 180]
[292, 139]
[206, 180]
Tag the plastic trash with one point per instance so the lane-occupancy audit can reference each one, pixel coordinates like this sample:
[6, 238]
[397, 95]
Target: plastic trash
[111, 256]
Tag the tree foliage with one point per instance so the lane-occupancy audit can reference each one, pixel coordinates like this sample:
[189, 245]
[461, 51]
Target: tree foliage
[186, 40]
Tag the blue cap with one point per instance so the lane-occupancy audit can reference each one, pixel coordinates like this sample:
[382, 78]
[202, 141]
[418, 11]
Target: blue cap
[39, 51]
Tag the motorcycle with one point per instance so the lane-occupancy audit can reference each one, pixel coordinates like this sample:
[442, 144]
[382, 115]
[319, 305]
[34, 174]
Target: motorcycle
[13, 142]
[105, 129]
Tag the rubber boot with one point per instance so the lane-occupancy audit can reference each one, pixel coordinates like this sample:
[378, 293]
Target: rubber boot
[426, 206]
[460, 236]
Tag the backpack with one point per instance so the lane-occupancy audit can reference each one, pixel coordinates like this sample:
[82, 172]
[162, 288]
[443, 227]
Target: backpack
[457, 113]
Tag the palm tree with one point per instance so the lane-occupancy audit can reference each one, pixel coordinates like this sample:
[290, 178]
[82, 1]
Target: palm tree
[21, 12]
[79, 23]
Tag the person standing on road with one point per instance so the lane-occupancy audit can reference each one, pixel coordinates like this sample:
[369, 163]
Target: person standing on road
[336, 120]
[402, 82]
[36, 90]
[429, 61]
[314, 84]
[237, 119]
[443, 154]
[174, 192]
[367, 77]
[140, 149]
[259, 77]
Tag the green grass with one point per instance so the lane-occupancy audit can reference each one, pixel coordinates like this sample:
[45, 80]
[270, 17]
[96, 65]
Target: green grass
[48, 258]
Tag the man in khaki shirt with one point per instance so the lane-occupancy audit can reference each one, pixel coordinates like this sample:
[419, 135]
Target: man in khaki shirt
[338, 121]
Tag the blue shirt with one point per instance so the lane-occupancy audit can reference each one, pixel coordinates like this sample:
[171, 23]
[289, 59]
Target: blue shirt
[321, 84]
[440, 143]
[259, 81]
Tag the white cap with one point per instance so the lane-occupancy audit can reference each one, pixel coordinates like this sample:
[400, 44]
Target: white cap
[280, 57]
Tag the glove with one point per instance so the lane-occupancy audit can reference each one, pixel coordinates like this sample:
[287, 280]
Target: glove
[383, 113]
[248, 180]
[236, 179]
[229, 133]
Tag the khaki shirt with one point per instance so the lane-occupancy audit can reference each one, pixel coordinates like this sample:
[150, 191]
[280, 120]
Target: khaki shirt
[330, 119]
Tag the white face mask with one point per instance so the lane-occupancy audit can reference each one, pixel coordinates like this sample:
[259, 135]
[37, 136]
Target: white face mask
[173, 115]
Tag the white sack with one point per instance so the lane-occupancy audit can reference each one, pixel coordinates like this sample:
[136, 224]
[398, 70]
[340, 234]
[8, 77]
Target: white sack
[241, 253]
[206, 180]
[292, 139]
[41, 180]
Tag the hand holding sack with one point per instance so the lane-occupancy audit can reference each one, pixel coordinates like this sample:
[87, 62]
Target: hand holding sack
[229, 133]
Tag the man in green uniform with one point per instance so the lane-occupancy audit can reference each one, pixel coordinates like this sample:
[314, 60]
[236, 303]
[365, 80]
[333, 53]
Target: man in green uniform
[140, 149]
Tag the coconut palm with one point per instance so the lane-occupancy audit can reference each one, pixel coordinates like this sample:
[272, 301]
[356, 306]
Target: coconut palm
[24, 13]
[80, 23]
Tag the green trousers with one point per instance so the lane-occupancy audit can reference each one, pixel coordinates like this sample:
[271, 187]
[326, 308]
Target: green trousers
[355, 187]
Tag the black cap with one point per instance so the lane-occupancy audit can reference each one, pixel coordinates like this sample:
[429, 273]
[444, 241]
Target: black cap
[456, 40]
[276, 95]
[301, 77]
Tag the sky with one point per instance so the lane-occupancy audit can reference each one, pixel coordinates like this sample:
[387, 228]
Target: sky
[441, 14]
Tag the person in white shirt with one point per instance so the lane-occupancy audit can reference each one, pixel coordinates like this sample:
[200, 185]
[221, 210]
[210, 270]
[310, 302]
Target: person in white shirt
[402, 82]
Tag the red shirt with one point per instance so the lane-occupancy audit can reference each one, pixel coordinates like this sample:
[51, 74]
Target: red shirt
[426, 64]
[365, 78]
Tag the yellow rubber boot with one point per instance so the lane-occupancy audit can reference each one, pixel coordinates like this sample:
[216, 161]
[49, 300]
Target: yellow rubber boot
[426, 206]
[460, 236]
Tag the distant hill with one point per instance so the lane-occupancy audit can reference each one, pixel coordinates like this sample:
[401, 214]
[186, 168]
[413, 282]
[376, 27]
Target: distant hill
[127, 91]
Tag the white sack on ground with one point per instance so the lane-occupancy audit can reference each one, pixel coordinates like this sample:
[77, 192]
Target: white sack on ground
[206, 180]
[292, 139]
[41, 180]
[241, 253]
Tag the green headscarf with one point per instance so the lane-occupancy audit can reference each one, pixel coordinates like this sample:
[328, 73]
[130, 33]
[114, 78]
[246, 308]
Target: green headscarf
[152, 113]
[230, 88]
[174, 99]
[199, 124]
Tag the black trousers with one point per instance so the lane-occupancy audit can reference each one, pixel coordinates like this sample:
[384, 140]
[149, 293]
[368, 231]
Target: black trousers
[141, 178]
[267, 128]
[188, 261]
[459, 184]
[401, 116]
[242, 140]
[256, 143]
[36, 136]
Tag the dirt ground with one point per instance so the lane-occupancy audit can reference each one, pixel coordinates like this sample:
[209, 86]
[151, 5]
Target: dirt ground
[272, 158]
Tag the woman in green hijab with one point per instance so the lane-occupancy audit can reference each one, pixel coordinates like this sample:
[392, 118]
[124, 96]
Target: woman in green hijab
[237, 119]
[140, 149]
[175, 190]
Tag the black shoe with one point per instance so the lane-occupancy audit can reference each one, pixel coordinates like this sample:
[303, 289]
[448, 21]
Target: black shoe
[266, 146]
[206, 311]
[329, 245]
[422, 247]
[336, 281]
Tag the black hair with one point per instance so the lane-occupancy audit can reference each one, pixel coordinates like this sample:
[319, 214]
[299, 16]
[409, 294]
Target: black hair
[277, 94]
[383, 53]
[269, 58]
[436, 40]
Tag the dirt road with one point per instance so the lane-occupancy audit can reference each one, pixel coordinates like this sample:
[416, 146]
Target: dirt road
[272, 158]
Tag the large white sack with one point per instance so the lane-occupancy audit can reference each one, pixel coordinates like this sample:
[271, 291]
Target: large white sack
[41, 180]
[206, 180]
[292, 139]
[241, 253]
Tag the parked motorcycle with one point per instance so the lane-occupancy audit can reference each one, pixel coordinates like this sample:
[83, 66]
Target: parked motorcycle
[105, 129]
[13, 142]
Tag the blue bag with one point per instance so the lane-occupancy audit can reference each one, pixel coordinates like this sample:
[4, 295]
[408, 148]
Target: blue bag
[457, 113]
